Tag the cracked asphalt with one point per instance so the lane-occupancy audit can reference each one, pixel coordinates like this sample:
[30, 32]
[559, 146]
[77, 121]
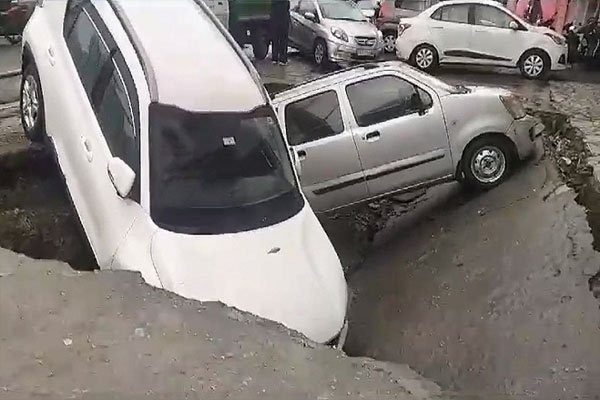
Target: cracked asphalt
[488, 294]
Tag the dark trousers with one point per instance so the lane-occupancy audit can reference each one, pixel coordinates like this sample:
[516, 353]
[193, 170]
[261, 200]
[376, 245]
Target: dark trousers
[280, 29]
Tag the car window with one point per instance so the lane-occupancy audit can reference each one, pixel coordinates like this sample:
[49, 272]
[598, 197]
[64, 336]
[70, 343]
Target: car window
[381, 99]
[307, 6]
[88, 51]
[457, 13]
[313, 118]
[115, 117]
[412, 5]
[491, 16]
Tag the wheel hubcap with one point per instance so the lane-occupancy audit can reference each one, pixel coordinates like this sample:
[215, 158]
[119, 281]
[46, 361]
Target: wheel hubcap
[488, 164]
[534, 65]
[389, 43]
[424, 58]
[30, 102]
[319, 53]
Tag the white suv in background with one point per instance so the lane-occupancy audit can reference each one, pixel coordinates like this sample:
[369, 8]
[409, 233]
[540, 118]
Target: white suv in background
[482, 33]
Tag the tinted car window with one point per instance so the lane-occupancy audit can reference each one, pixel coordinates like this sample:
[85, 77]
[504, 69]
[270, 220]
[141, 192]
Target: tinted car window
[87, 50]
[307, 6]
[382, 99]
[214, 173]
[313, 118]
[458, 13]
[491, 16]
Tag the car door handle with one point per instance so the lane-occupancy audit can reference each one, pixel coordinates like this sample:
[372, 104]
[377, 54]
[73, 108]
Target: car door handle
[480, 30]
[87, 149]
[372, 136]
[301, 155]
[50, 54]
[437, 27]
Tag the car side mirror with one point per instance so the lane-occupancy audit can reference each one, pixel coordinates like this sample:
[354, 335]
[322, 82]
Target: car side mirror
[121, 176]
[513, 25]
[310, 16]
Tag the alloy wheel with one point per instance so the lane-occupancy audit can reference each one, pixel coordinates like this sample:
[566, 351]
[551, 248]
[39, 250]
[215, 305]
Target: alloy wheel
[533, 65]
[389, 43]
[488, 164]
[319, 53]
[30, 102]
[424, 58]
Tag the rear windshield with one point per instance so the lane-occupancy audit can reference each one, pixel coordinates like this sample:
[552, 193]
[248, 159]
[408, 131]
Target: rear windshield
[214, 173]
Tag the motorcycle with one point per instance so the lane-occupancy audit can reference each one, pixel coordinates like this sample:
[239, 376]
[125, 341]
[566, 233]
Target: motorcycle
[589, 45]
[14, 14]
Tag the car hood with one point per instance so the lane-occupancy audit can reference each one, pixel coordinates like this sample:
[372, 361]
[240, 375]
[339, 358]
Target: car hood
[288, 273]
[368, 12]
[354, 28]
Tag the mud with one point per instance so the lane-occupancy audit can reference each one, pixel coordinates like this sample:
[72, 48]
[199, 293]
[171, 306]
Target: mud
[36, 217]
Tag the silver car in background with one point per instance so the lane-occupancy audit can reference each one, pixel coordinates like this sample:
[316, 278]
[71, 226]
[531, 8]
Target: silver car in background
[333, 31]
[383, 128]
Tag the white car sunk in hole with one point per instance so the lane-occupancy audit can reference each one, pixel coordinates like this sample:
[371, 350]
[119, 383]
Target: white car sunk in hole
[175, 161]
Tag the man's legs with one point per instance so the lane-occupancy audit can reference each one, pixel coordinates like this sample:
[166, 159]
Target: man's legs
[274, 41]
[283, 43]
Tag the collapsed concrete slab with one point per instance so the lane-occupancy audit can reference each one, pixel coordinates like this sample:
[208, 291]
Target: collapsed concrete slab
[67, 334]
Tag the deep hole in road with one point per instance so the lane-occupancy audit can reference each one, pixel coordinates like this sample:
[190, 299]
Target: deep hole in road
[36, 216]
[566, 145]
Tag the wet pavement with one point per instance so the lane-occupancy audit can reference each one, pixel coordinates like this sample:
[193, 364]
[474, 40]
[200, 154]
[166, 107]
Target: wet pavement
[489, 294]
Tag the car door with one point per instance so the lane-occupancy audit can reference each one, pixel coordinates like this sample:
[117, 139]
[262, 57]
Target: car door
[331, 173]
[101, 121]
[303, 30]
[400, 133]
[493, 41]
[451, 31]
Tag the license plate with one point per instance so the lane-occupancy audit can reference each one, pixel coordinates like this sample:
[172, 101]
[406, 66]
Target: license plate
[363, 53]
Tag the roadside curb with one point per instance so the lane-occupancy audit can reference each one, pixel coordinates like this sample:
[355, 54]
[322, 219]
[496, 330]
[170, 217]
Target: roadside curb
[10, 74]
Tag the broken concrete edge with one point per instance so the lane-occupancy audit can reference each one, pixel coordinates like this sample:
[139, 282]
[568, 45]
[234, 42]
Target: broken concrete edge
[8, 109]
[10, 74]
[401, 376]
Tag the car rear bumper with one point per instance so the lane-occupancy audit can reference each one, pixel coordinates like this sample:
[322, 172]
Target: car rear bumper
[525, 132]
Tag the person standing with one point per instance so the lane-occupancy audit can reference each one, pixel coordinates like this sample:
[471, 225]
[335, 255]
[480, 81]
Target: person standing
[280, 26]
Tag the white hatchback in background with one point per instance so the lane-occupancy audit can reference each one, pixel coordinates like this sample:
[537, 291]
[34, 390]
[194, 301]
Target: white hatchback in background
[380, 129]
[479, 32]
[174, 161]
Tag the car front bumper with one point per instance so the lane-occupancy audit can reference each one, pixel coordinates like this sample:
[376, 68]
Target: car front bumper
[558, 55]
[525, 132]
[346, 52]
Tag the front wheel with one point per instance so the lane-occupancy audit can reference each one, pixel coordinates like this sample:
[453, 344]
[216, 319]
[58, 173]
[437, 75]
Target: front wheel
[486, 162]
[425, 57]
[534, 64]
[389, 41]
[320, 55]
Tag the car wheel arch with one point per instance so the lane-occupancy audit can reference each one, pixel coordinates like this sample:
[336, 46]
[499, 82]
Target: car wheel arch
[437, 50]
[514, 155]
[544, 53]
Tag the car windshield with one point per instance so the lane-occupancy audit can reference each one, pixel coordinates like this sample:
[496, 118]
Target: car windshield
[215, 173]
[340, 10]
[365, 4]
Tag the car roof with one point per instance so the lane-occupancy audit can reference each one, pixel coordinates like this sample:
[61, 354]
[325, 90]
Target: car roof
[195, 64]
[483, 2]
[343, 75]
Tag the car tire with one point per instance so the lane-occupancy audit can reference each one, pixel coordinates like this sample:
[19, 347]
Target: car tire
[389, 41]
[32, 104]
[425, 57]
[260, 43]
[320, 54]
[534, 64]
[486, 162]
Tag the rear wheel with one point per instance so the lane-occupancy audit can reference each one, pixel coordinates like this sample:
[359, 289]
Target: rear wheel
[487, 162]
[32, 104]
[389, 41]
[425, 57]
[534, 64]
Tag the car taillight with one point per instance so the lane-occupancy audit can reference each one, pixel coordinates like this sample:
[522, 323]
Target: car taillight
[402, 27]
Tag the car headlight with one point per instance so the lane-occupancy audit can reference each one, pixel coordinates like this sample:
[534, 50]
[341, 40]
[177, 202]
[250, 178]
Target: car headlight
[340, 34]
[557, 39]
[379, 35]
[514, 106]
